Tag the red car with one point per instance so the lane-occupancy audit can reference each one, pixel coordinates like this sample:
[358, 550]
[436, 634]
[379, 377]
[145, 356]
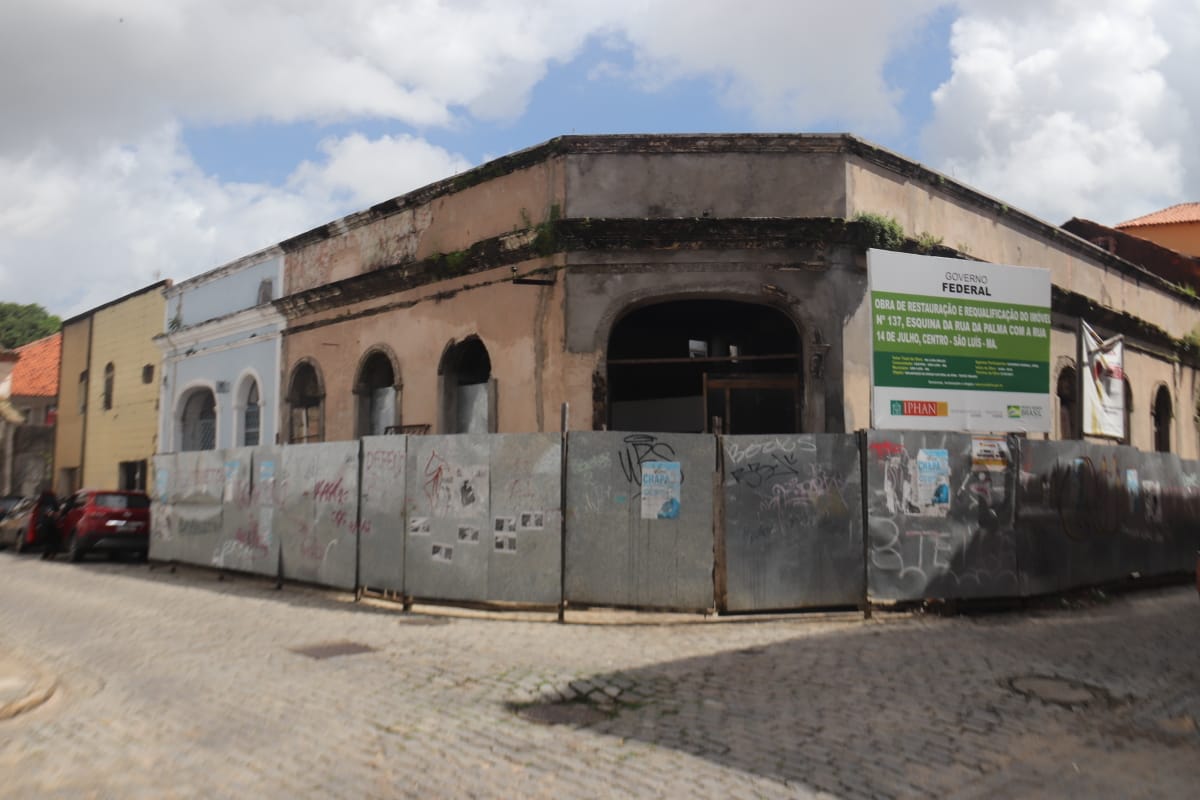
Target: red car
[92, 520]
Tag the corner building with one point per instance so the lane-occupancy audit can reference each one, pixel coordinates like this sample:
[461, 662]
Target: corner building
[667, 283]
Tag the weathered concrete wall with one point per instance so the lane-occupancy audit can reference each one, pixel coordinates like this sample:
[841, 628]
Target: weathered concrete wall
[516, 323]
[33, 458]
[716, 184]
[1002, 238]
[446, 224]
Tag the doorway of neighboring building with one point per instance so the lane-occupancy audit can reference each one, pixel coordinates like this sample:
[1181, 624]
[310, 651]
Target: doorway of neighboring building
[689, 366]
[132, 476]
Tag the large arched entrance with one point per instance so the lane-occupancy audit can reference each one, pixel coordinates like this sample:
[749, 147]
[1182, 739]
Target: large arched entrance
[690, 365]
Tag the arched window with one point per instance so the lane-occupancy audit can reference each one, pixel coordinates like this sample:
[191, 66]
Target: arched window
[109, 377]
[677, 366]
[306, 399]
[251, 415]
[468, 391]
[377, 390]
[1068, 411]
[1162, 420]
[198, 421]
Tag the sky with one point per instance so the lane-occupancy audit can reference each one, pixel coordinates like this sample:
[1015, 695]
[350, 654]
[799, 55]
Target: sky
[150, 139]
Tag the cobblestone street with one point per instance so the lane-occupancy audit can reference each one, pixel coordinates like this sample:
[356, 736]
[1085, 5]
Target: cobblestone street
[181, 685]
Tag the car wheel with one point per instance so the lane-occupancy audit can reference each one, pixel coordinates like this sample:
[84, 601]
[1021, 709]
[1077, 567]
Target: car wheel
[73, 551]
[18, 543]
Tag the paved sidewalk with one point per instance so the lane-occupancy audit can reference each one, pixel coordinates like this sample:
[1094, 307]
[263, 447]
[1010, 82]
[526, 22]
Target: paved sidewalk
[178, 684]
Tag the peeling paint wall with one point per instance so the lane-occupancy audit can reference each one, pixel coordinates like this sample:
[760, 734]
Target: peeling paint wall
[418, 325]
[446, 224]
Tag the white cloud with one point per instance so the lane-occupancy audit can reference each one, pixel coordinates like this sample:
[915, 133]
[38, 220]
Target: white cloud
[789, 64]
[98, 196]
[78, 232]
[1072, 108]
[365, 172]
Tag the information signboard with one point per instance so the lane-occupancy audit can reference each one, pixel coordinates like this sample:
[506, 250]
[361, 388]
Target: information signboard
[958, 345]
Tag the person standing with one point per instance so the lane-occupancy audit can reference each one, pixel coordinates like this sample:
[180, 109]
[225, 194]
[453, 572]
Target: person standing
[45, 513]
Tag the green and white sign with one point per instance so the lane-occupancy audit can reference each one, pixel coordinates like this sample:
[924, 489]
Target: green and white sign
[958, 345]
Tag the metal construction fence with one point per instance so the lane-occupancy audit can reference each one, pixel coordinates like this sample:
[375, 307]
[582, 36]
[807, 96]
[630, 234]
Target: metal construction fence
[683, 521]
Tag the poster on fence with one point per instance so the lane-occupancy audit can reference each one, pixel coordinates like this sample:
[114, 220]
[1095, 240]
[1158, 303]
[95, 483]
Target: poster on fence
[661, 481]
[933, 482]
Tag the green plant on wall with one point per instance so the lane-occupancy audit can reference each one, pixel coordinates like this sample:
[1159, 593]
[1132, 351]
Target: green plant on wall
[884, 232]
[927, 241]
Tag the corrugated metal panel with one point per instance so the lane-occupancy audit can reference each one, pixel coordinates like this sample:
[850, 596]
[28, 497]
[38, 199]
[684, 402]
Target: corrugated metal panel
[317, 493]
[384, 487]
[618, 551]
[940, 521]
[793, 521]
[448, 506]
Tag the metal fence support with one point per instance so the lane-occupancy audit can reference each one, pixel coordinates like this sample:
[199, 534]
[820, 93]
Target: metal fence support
[865, 603]
[562, 535]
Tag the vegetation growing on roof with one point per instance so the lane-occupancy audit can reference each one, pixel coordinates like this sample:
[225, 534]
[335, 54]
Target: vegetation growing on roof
[885, 233]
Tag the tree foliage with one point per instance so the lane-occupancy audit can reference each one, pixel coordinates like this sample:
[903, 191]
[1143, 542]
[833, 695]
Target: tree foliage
[22, 324]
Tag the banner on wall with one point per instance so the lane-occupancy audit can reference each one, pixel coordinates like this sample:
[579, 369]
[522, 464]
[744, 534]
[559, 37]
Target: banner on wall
[1102, 381]
[958, 345]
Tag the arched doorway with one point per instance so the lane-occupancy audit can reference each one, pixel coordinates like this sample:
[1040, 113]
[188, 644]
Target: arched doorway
[198, 421]
[377, 389]
[677, 366]
[1162, 420]
[306, 398]
[468, 391]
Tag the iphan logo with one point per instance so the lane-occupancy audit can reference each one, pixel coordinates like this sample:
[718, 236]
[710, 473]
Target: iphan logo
[920, 408]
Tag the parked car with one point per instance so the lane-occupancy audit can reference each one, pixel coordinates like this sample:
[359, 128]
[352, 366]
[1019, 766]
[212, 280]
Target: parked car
[18, 528]
[93, 520]
[8, 502]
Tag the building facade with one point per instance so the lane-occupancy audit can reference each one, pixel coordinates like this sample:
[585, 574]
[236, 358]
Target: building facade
[108, 409]
[1176, 228]
[33, 394]
[221, 357]
[669, 283]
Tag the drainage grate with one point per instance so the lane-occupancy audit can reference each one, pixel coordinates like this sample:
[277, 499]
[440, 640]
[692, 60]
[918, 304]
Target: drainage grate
[331, 649]
[577, 713]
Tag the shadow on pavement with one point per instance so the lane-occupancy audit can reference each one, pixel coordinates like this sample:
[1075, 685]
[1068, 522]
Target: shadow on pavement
[920, 709]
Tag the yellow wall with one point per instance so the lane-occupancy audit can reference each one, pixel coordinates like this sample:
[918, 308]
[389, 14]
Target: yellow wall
[68, 430]
[122, 334]
[1182, 237]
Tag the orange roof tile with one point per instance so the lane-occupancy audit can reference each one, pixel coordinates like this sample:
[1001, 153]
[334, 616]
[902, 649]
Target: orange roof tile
[36, 373]
[1183, 212]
